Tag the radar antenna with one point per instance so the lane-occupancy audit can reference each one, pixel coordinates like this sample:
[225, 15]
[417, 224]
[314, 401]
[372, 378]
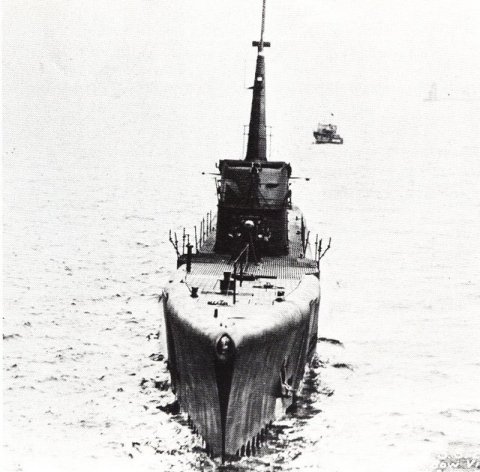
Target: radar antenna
[260, 47]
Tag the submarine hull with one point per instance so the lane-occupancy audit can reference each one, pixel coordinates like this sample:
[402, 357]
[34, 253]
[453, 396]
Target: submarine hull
[241, 312]
[231, 398]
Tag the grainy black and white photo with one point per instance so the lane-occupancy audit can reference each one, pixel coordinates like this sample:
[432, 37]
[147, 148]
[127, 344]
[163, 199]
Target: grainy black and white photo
[241, 235]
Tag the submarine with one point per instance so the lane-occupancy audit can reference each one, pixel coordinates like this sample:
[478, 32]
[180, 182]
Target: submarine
[241, 309]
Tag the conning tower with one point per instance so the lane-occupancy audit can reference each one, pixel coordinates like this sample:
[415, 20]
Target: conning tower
[254, 194]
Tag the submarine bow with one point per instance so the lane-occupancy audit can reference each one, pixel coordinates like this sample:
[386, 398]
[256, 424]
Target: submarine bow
[228, 378]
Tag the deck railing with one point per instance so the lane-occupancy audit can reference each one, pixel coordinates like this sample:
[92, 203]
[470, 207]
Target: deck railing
[186, 242]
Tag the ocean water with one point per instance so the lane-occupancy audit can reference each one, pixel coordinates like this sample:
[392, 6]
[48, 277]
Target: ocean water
[86, 253]
[106, 141]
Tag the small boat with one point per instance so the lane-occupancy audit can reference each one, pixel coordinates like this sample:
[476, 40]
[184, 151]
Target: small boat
[327, 134]
[241, 310]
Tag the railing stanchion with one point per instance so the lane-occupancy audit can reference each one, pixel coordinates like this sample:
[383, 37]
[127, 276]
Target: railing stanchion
[234, 283]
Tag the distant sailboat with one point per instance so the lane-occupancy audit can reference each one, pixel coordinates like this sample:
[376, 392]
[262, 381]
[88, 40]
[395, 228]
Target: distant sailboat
[432, 94]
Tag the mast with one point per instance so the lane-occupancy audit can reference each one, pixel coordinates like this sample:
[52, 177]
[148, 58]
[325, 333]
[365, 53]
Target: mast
[257, 136]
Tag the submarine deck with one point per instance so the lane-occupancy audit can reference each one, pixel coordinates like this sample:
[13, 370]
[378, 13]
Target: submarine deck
[292, 266]
[272, 274]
